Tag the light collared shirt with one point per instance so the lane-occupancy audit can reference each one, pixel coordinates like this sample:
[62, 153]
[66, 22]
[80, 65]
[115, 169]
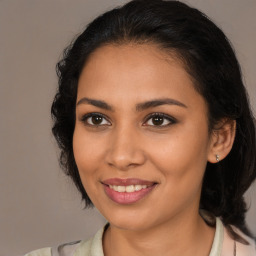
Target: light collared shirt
[223, 245]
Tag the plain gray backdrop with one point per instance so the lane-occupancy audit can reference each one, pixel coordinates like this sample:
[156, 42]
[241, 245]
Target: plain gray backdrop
[39, 206]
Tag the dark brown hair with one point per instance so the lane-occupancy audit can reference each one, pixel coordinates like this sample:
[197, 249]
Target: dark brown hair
[210, 60]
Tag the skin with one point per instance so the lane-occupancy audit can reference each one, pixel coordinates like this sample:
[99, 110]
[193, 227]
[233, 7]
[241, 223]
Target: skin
[127, 144]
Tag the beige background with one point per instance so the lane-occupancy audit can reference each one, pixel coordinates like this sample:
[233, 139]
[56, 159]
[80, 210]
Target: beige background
[38, 206]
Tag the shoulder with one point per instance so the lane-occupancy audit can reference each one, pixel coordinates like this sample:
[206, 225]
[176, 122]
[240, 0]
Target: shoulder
[40, 252]
[239, 248]
[92, 246]
[243, 249]
[67, 249]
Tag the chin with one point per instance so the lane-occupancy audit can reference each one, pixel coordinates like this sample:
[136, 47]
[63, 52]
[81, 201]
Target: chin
[129, 219]
[130, 224]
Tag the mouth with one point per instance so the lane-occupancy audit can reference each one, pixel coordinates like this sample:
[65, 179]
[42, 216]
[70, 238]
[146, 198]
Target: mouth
[127, 191]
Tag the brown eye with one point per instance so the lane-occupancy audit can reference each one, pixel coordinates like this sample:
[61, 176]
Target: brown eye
[95, 120]
[159, 120]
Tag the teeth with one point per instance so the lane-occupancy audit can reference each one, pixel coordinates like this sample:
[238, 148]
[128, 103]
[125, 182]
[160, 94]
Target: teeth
[120, 188]
[128, 189]
[138, 187]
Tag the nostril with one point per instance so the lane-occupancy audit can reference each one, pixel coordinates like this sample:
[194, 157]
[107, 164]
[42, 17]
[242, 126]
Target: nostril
[126, 159]
[125, 149]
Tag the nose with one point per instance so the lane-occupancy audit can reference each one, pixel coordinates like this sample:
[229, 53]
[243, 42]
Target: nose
[126, 149]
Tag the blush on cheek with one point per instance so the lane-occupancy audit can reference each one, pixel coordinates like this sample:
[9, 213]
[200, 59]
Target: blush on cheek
[85, 153]
[182, 163]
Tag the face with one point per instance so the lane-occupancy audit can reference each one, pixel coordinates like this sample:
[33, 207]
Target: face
[141, 138]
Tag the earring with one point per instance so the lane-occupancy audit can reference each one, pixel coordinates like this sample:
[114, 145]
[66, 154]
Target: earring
[217, 158]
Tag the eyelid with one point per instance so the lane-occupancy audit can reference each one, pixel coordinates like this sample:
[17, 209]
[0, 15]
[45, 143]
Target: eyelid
[84, 118]
[171, 119]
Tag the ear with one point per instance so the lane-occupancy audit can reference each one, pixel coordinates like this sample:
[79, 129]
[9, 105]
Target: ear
[222, 139]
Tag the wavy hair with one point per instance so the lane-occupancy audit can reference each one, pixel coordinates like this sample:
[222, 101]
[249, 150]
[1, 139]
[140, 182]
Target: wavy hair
[210, 60]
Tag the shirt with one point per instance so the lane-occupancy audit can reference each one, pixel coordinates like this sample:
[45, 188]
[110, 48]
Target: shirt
[223, 245]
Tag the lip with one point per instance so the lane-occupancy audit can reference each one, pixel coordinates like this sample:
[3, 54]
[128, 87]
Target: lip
[127, 182]
[124, 197]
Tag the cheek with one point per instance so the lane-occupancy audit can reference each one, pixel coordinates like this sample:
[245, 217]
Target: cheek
[182, 162]
[87, 152]
[182, 156]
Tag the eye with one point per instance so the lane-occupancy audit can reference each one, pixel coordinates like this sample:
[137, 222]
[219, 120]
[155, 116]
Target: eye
[95, 119]
[159, 119]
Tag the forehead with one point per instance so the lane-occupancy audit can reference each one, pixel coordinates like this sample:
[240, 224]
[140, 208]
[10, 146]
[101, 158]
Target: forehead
[130, 53]
[135, 72]
[133, 60]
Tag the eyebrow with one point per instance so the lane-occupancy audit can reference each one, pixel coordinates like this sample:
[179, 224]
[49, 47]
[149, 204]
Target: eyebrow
[158, 102]
[139, 107]
[96, 103]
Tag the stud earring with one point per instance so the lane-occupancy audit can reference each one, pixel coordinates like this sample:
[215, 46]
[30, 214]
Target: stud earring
[217, 158]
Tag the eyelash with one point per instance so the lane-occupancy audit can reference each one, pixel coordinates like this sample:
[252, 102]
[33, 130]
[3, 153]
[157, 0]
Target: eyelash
[170, 120]
[85, 118]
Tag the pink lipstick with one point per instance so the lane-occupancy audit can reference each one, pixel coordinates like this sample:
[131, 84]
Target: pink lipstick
[127, 191]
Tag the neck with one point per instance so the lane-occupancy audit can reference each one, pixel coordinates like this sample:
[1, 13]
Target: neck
[187, 235]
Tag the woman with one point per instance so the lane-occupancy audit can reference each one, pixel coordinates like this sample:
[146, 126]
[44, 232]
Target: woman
[155, 130]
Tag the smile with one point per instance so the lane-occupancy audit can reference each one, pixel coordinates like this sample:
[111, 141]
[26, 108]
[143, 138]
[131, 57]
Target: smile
[127, 191]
